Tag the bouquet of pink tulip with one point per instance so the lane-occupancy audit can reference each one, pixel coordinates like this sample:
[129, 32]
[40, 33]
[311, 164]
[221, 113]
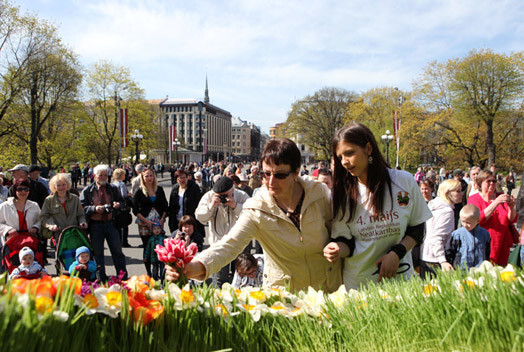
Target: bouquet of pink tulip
[175, 254]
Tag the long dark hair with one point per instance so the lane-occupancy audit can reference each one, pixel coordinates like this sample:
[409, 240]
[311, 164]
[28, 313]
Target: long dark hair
[345, 186]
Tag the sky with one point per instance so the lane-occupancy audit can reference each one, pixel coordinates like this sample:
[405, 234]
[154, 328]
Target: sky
[261, 56]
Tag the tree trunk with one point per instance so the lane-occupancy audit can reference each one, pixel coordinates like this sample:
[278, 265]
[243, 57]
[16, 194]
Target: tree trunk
[489, 142]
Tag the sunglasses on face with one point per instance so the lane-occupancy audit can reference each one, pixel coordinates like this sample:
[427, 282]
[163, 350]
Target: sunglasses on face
[22, 189]
[278, 175]
[491, 181]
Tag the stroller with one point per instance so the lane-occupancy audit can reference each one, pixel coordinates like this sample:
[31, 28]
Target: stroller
[69, 240]
[12, 248]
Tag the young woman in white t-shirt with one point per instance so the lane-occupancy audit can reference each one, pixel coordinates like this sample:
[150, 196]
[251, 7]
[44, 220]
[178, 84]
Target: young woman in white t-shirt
[379, 212]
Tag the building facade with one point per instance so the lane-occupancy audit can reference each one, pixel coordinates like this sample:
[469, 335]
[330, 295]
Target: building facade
[199, 126]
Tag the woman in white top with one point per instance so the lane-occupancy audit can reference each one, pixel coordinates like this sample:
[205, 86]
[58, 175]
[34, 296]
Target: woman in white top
[18, 214]
[379, 212]
[440, 227]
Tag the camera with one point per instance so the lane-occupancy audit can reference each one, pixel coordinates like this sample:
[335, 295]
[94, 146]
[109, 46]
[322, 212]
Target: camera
[108, 208]
[223, 198]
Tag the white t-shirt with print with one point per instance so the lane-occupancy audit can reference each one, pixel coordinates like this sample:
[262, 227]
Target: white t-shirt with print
[375, 237]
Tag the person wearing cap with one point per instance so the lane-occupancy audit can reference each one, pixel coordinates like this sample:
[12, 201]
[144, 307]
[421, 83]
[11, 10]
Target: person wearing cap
[37, 191]
[240, 183]
[290, 216]
[221, 208]
[18, 213]
[34, 174]
[29, 268]
[83, 266]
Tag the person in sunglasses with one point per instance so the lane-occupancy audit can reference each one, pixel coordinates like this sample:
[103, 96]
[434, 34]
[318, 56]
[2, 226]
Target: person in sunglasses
[497, 214]
[18, 213]
[290, 218]
[379, 212]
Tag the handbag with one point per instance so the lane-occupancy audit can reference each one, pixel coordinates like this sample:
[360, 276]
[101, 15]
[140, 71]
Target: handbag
[143, 229]
[514, 233]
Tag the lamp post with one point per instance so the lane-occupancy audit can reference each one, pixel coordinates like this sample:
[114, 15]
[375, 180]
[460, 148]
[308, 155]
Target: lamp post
[136, 137]
[176, 143]
[386, 138]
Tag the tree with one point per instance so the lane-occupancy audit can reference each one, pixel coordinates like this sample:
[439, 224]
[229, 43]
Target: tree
[376, 109]
[315, 118]
[108, 86]
[480, 88]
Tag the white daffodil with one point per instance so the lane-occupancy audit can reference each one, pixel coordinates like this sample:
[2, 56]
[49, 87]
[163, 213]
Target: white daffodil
[340, 297]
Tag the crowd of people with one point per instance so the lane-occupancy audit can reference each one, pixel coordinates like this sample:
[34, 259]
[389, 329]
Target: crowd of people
[276, 222]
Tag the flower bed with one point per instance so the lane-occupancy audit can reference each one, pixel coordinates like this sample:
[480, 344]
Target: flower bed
[479, 310]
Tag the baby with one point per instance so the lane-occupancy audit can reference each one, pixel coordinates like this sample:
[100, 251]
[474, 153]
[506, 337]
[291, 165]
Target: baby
[470, 243]
[83, 266]
[29, 268]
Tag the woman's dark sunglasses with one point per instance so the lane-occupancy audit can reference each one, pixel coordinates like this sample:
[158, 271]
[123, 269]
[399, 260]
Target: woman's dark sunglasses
[279, 175]
[491, 181]
[22, 189]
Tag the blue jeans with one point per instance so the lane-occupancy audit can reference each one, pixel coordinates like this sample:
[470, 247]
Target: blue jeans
[100, 231]
[522, 255]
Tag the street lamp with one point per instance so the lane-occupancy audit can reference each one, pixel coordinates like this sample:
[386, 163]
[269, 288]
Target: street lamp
[136, 137]
[176, 143]
[386, 138]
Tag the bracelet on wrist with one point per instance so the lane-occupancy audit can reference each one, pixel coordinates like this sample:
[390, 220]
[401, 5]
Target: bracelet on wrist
[348, 242]
[399, 249]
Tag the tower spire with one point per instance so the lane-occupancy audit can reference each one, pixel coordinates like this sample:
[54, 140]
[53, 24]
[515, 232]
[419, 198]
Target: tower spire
[206, 97]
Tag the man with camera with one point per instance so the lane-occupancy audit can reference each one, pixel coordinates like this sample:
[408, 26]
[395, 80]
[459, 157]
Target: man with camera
[100, 200]
[220, 208]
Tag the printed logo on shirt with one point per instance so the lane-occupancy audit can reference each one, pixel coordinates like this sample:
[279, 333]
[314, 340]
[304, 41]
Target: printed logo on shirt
[403, 199]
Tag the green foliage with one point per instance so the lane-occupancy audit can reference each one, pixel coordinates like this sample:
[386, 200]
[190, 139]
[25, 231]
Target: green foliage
[473, 106]
[314, 119]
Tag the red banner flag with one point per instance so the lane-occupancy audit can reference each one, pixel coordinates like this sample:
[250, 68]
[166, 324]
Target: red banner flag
[123, 127]
[172, 136]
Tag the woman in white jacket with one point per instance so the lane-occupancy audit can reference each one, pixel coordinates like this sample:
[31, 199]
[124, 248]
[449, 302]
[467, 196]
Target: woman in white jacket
[440, 227]
[18, 214]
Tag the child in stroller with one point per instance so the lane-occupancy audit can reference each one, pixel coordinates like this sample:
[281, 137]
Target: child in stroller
[83, 266]
[29, 268]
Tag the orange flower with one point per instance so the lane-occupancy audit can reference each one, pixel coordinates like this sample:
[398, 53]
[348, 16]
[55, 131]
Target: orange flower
[144, 311]
[90, 301]
[64, 283]
[43, 304]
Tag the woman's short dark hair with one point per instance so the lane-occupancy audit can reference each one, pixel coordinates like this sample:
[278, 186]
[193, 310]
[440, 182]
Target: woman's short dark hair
[483, 176]
[187, 220]
[282, 151]
[20, 183]
[180, 172]
[345, 186]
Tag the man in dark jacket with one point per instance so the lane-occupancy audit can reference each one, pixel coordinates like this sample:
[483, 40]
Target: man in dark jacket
[99, 200]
